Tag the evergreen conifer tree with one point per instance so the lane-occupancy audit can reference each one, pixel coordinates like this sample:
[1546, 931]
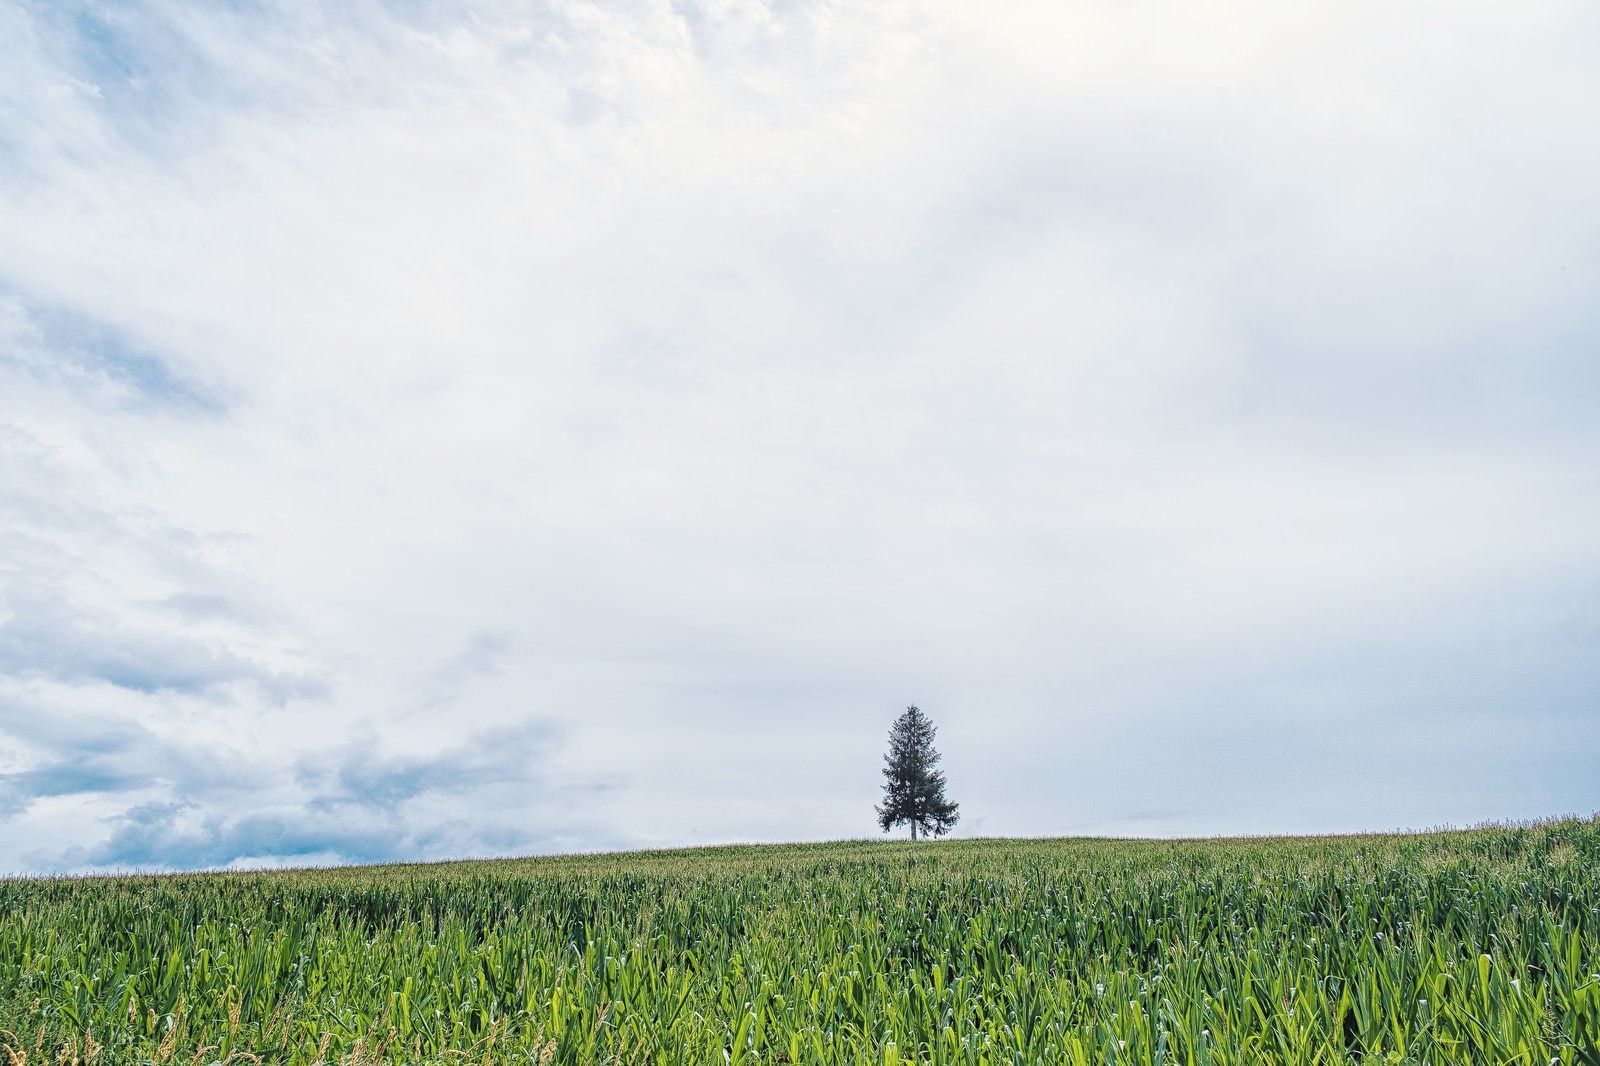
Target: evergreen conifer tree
[914, 790]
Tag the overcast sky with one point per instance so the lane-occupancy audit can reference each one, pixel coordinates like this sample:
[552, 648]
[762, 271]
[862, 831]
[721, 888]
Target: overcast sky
[449, 429]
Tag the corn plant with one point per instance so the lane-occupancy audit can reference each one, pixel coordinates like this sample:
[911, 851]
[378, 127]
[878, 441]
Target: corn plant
[1480, 946]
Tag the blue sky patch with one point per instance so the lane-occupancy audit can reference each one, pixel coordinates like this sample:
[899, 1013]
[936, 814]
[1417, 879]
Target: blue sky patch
[79, 343]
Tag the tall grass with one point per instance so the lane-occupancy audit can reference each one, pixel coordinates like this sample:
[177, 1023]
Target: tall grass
[1473, 947]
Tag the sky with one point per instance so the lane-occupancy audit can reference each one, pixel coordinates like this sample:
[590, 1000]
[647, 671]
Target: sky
[440, 429]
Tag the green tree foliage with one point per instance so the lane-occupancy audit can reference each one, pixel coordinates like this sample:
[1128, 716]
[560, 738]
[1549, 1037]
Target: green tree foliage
[914, 790]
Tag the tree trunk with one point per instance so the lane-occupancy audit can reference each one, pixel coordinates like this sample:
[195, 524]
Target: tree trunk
[913, 830]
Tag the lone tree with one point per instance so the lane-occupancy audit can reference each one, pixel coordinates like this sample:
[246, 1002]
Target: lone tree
[914, 790]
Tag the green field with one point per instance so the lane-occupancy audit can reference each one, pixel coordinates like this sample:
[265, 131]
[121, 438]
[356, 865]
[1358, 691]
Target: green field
[1481, 946]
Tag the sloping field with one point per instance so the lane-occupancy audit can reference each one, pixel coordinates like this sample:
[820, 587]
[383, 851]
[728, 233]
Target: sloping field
[1480, 946]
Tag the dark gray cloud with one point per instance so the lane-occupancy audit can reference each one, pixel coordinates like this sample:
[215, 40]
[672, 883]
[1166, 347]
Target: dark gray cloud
[84, 773]
[357, 806]
[76, 754]
[183, 837]
[488, 793]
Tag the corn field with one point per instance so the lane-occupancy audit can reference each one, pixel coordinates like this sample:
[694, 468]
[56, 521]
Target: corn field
[1478, 946]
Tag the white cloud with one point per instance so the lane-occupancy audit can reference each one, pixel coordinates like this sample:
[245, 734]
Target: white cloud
[703, 383]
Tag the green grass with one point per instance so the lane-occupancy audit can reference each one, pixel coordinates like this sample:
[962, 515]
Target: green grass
[1480, 946]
